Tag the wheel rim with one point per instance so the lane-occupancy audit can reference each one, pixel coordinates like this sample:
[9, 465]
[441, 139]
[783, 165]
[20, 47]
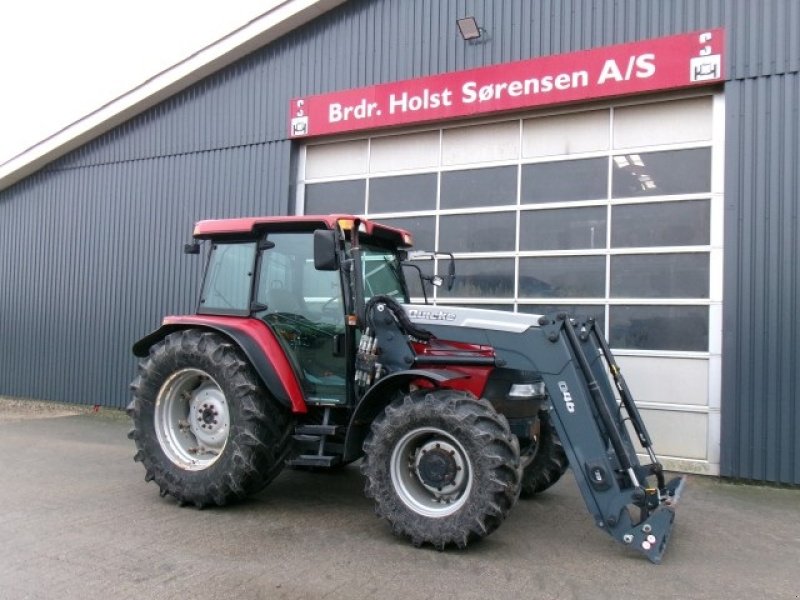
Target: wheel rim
[431, 472]
[192, 419]
[529, 452]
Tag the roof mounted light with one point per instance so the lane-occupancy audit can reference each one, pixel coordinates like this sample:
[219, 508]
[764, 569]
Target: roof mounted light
[347, 225]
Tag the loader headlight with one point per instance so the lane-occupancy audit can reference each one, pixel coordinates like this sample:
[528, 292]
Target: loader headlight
[527, 390]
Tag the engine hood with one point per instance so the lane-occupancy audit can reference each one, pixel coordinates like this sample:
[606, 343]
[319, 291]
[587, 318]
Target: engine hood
[477, 318]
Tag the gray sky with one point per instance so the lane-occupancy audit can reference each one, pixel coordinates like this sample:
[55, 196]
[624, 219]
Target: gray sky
[61, 59]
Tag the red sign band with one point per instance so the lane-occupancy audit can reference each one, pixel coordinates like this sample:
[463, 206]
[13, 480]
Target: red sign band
[672, 62]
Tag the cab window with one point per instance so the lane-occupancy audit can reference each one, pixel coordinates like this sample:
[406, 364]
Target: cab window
[228, 281]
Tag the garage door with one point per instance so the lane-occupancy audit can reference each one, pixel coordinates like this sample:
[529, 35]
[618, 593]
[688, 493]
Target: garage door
[613, 212]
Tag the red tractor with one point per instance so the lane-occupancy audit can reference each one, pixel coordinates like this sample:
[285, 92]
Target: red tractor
[306, 351]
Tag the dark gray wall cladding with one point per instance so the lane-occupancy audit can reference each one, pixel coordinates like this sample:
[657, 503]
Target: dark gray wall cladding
[91, 258]
[761, 347]
[90, 247]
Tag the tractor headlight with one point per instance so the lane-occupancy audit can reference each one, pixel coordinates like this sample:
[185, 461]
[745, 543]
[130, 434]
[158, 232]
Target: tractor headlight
[527, 390]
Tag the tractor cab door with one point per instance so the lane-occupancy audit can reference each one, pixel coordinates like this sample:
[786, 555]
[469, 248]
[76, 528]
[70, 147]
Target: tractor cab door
[304, 308]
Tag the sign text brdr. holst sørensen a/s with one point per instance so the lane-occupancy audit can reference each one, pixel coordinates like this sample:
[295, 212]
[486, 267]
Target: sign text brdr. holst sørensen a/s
[659, 64]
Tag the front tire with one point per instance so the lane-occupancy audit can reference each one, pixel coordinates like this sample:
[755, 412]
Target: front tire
[547, 461]
[442, 467]
[206, 430]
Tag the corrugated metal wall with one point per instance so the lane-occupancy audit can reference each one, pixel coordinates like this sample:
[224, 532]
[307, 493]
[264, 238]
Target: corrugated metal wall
[89, 252]
[91, 259]
[761, 347]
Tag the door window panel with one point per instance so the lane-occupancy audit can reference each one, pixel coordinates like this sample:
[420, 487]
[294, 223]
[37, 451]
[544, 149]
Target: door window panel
[565, 181]
[342, 197]
[487, 232]
[494, 186]
[563, 229]
[662, 173]
[660, 276]
[336, 160]
[482, 278]
[565, 134]
[686, 223]
[562, 277]
[403, 193]
[659, 327]
[676, 122]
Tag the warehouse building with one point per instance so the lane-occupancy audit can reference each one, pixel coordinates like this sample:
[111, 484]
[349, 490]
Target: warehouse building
[633, 161]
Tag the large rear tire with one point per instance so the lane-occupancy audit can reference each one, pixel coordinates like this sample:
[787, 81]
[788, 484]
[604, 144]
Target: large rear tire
[547, 459]
[442, 467]
[206, 430]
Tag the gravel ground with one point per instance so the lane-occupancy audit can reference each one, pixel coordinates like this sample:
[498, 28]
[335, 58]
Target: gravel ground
[79, 523]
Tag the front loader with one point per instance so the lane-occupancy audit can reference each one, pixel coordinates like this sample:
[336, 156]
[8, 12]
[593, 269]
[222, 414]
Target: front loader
[306, 351]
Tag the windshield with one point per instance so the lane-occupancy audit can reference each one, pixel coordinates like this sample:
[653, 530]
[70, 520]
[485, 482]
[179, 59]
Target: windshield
[382, 273]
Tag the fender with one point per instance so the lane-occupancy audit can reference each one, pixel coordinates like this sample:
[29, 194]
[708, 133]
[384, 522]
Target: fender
[379, 396]
[255, 339]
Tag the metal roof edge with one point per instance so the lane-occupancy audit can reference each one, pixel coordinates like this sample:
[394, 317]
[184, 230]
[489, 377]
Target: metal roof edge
[283, 17]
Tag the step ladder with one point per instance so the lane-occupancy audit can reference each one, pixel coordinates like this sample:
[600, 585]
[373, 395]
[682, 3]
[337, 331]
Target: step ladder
[314, 438]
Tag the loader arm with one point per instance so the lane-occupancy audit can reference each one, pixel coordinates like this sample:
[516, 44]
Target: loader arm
[629, 500]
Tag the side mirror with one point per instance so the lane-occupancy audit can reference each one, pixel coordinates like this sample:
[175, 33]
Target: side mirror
[435, 280]
[451, 273]
[325, 256]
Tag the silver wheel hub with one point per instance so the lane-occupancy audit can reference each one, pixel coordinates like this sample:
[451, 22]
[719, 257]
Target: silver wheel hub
[431, 472]
[192, 419]
[208, 418]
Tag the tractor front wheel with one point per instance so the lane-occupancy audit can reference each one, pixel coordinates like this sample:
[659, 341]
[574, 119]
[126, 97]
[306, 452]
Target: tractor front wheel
[442, 467]
[206, 430]
[544, 458]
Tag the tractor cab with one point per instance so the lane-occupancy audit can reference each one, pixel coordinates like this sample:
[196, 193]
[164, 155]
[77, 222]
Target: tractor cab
[288, 273]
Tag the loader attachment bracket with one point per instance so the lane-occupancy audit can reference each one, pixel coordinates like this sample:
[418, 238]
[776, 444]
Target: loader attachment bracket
[650, 536]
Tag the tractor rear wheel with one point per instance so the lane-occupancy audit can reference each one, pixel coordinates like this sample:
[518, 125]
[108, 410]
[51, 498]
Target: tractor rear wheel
[206, 430]
[442, 467]
[547, 461]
